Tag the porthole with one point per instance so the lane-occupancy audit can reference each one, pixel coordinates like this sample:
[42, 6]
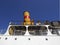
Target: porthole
[29, 39]
[46, 39]
[6, 38]
[15, 38]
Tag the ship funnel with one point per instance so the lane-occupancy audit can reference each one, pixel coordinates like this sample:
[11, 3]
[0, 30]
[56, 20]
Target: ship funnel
[27, 20]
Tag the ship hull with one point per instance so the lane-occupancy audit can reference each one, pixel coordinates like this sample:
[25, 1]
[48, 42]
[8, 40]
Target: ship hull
[29, 40]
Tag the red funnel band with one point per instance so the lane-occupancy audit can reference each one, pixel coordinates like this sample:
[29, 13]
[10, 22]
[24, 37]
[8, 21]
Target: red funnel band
[26, 16]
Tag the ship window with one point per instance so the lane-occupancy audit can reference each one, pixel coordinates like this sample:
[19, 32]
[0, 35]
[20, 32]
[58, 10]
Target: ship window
[37, 30]
[17, 30]
[54, 30]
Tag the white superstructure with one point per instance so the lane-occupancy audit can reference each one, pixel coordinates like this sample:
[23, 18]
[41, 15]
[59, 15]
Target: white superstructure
[30, 35]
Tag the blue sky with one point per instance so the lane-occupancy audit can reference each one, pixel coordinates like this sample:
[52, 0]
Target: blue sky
[39, 9]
